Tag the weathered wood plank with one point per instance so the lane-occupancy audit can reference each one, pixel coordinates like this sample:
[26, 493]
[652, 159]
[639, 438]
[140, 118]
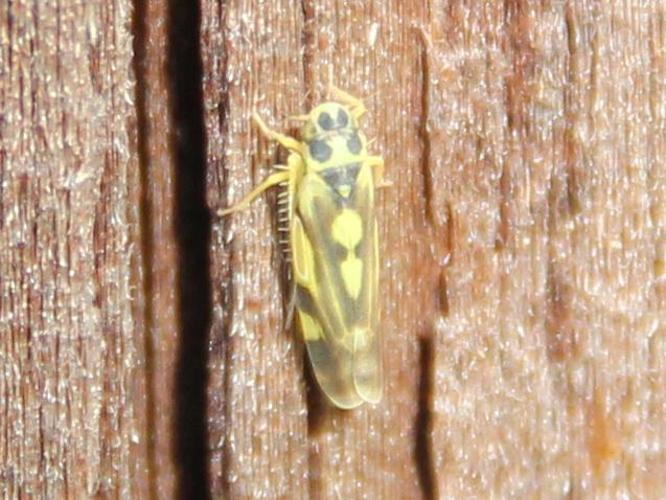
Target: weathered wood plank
[71, 350]
[545, 364]
[258, 426]
[495, 105]
[523, 241]
[524, 248]
[157, 155]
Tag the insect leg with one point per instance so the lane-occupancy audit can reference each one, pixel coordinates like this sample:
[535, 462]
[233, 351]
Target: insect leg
[271, 180]
[299, 118]
[355, 104]
[378, 163]
[288, 142]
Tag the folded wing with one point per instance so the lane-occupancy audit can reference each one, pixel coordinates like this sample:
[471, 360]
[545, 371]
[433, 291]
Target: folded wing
[335, 264]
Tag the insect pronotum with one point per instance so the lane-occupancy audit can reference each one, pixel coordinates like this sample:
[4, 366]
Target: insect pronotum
[327, 207]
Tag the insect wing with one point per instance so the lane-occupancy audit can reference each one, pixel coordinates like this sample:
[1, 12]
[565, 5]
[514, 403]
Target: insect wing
[335, 263]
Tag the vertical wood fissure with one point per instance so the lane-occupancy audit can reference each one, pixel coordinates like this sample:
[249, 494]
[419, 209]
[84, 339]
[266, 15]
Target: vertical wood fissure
[422, 424]
[193, 225]
[145, 232]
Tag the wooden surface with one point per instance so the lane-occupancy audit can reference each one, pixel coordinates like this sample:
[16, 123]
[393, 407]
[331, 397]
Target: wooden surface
[523, 249]
[73, 381]
[142, 344]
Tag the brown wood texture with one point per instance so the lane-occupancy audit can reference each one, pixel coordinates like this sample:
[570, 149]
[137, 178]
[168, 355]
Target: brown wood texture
[89, 305]
[159, 285]
[522, 242]
[143, 352]
[73, 411]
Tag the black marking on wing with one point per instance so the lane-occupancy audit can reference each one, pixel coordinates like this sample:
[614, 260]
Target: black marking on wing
[347, 371]
[305, 301]
[330, 254]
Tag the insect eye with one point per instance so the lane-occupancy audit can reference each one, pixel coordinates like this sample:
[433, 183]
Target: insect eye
[325, 121]
[343, 118]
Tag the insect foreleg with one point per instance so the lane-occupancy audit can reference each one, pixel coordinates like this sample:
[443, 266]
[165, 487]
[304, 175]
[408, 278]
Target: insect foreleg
[288, 142]
[378, 163]
[355, 104]
[271, 180]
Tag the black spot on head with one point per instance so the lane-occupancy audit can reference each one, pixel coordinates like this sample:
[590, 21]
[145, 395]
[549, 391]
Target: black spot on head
[325, 121]
[319, 150]
[354, 143]
[343, 118]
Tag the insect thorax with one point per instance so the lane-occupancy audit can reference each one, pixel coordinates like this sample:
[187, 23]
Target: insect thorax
[335, 149]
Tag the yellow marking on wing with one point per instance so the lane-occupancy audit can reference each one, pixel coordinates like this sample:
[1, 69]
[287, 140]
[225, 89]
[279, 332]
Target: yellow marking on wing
[352, 275]
[347, 228]
[303, 255]
[311, 328]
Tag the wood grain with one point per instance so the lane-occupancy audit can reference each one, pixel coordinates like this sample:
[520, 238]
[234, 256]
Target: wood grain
[143, 348]
[257, 410]
[71, 328]
[157, 153]
[544, 363]
[523, 249]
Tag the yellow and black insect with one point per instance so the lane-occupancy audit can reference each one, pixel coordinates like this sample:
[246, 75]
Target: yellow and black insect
[329, 208]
